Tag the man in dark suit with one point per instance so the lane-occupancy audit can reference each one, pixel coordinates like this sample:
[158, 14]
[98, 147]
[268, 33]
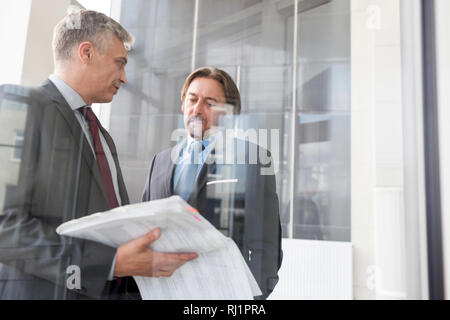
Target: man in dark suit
[229, 181]
[69, 168]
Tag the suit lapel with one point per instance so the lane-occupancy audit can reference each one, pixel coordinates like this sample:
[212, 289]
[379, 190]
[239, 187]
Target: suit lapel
[77, 132]
[168, 183]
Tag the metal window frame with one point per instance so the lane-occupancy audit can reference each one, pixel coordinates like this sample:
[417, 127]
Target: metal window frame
[431, 154]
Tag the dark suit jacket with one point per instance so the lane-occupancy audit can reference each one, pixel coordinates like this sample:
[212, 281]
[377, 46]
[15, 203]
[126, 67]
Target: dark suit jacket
[59, 180]
[246, 210]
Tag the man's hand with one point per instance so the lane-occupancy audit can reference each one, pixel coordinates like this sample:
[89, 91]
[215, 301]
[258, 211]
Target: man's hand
[134, 258]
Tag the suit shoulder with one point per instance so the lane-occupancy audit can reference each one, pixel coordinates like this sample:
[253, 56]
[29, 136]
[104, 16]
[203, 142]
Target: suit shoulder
[165, 152]
[16, 92]
[22, 92]
[22, 97]
[163, 156]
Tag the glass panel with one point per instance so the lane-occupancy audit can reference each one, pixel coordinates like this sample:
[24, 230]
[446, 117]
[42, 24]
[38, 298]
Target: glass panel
[322, 188]
[150, 106]
[13, 114]
[252, 40]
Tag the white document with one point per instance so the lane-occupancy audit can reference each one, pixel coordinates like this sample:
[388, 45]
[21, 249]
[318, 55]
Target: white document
[220, 272]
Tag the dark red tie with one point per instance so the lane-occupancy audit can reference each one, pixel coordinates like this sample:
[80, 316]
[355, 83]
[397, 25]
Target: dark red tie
[100, 155]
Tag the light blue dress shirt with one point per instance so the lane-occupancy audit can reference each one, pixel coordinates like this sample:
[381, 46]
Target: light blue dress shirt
[200, 156]
[75, 101]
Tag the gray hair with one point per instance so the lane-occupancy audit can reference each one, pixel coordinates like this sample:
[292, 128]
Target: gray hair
[86, 25]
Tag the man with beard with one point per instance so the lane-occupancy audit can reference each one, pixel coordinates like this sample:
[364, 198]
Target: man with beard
[237, 197]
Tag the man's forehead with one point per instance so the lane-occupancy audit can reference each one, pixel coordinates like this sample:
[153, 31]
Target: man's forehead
[206, 88]
[118, 48]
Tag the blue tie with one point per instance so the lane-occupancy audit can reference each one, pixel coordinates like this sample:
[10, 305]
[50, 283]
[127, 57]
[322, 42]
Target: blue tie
[189, 171]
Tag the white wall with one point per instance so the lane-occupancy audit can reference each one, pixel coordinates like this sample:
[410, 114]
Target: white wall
[26, 29]
[13, 34]
[38, 58]
[362, 152]
[377, 144]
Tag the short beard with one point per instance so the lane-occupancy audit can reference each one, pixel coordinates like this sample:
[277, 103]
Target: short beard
[197, 131]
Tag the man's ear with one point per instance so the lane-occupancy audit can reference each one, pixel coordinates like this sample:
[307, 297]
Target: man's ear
[85, 52]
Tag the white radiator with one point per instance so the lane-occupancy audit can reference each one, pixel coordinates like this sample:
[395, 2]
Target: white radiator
[315, 270]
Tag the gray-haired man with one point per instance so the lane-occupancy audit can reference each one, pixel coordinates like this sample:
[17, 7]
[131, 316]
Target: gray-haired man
[69, 168]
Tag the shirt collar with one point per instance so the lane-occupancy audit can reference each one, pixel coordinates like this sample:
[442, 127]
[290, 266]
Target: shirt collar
[72, 97]
[205, 142]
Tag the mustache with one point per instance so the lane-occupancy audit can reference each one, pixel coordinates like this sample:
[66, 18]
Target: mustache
[196, 125]
[196, 120]
[117, 83]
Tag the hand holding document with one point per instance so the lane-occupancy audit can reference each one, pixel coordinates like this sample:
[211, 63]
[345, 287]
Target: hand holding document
[135, 258]
[220, 271]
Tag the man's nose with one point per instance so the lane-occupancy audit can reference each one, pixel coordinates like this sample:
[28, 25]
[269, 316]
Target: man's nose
[123, 77]
[199, 107]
